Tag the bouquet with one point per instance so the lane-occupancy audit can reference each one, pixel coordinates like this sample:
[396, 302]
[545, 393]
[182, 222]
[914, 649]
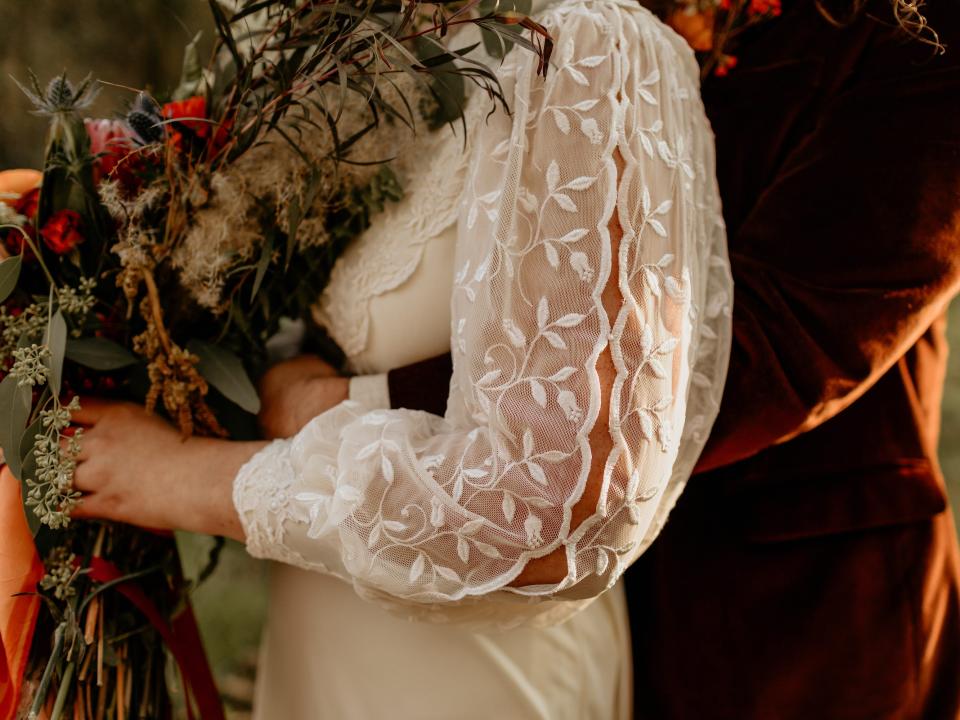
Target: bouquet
[157, 257]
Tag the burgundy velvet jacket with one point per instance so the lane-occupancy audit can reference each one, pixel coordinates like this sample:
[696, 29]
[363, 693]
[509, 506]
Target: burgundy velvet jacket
[809, 570]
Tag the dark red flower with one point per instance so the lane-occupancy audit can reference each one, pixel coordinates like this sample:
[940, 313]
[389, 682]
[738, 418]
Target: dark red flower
[725, 64]
[764, 7]
[111, 143]
[27, 203]
[62, 232]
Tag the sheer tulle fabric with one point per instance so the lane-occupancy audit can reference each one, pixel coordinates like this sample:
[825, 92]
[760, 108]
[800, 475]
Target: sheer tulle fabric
[430, 513]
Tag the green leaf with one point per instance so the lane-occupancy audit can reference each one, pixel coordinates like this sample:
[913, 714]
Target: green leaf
[28, 469]
[56, 339]
[226, 373]
[99, 353]
[14, 413]
[262, 264]
[9, 274]
[191, 77]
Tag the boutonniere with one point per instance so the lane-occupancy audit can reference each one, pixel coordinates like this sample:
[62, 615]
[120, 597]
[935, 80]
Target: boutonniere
[712, 28]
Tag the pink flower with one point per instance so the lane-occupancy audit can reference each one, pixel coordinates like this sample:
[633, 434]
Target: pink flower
[111, 143]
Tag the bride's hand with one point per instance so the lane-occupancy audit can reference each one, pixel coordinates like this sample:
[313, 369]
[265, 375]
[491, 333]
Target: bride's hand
[136, 468]
[294, 392]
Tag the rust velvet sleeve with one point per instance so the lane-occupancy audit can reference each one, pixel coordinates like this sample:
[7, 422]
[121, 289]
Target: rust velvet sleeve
[849, 255]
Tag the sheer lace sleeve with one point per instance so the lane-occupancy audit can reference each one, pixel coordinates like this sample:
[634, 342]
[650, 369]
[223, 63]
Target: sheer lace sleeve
[431, 510]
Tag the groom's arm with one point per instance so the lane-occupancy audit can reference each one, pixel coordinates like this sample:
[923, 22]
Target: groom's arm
[850, 255]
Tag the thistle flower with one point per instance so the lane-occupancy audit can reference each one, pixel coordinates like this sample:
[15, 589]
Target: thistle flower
[146, 120]
[60, 95]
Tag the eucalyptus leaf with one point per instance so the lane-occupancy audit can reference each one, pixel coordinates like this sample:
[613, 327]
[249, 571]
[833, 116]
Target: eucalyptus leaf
[29, 470]
[262, 264]
[191, 77]
[9, 274]
[99, 353]
[14, 413]
[56, 340]
[224, 370]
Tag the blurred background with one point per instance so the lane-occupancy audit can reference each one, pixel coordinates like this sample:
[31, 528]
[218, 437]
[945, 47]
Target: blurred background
[139, 45]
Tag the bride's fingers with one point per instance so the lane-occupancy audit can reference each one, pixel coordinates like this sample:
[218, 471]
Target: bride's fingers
[91, 410]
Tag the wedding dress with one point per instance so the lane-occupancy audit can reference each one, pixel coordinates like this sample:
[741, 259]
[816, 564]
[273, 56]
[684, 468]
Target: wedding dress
[399, 533]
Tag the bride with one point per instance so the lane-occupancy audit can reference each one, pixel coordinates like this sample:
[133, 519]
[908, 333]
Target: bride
[573, 260]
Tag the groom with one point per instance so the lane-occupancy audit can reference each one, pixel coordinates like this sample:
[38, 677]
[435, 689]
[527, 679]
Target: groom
[810, 570]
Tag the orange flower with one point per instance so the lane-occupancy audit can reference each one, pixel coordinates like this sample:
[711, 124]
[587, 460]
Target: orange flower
[694, 27]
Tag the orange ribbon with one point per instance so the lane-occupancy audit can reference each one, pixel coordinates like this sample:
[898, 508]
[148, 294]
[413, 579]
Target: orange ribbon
[20, 566]
[20, 571]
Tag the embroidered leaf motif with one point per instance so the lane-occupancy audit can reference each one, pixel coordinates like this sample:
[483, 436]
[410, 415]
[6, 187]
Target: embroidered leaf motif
[673, 289]
[537, 473]
[562, 121]
[565, 202]
[447, 573]
[489, 550]
[490, 377]
[416, 570]
[471, 527]
[574, 235]
[602, 562]
[552, 256]
[591, 61]
[584, 182]
[508, 506]
[374, 536]
[571, 320]
[553, 175]
[578, 77]
[463, 549]
[563, 374]
[543, 313]
[387, 468]
[527, 442]
[555, 340]
[368, 450]
[539, 394]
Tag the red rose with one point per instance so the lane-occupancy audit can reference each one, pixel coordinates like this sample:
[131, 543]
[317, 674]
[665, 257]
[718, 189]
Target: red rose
[62, 232]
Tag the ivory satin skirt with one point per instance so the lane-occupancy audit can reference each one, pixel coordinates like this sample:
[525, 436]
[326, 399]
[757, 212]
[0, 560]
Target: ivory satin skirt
[328, 654]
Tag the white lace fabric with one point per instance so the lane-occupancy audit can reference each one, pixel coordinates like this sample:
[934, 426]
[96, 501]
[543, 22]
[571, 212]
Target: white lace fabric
[437, 514]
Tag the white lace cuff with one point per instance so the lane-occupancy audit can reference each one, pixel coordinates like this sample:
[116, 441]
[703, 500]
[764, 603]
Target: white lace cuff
[371, 391]
[261, 494]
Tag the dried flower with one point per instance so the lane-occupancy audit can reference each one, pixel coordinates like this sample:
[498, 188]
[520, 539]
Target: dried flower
[61, 567]
[60, 95]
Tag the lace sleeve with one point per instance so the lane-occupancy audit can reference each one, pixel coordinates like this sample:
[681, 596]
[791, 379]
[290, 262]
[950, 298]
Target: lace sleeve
[425, 509]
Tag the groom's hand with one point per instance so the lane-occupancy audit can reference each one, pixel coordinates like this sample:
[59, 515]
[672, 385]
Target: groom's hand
[294, 392]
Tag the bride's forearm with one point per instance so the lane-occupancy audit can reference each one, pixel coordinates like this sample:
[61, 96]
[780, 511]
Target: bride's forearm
[210, 469]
